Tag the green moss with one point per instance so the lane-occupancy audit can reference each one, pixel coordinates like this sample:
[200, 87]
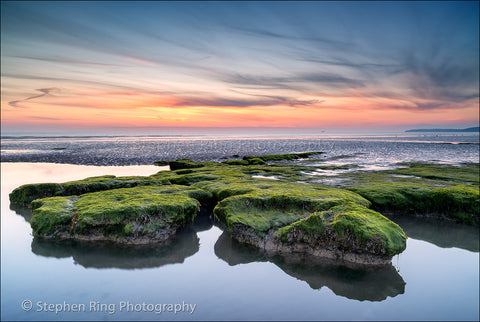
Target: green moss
[102, 183]
[235, 162]
[25, 194]
[191, 178]
[161, 163]
[223, 189]
[151, 208]
[52, 215]
[128, 229]
[407, 193]
[368, 227]
[255, 161]
[466, 173]
[263, 204]
[188, 164]
[313, 225]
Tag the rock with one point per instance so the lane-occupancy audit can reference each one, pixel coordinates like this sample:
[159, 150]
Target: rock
[138, 215]
[440, 191]
[347, 233]
[25, 194]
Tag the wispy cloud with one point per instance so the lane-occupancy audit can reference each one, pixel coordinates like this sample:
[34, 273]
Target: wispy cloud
[44, 91]
[243, 103]
[264, 33]
[296, 82]
[65, 60]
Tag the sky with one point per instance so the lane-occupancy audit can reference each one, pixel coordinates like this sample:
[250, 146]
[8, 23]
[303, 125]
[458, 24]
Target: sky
[290, 64]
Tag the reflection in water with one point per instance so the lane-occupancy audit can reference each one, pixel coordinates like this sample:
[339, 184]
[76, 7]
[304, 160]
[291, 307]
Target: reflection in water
[203, 220]
[108, 255]
[353, 282]
[358, 283]
[23, 211]
[442, 233]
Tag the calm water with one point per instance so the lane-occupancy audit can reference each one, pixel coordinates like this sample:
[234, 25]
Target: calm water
[435, 278]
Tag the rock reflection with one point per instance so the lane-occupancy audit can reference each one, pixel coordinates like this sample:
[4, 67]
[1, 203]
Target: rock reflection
[108, 255]
[353, 282]
[203, 220]
[23, 211]
[441, 233]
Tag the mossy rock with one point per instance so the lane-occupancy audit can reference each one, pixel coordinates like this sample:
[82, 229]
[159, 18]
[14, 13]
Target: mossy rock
[151, 212]
[422, 190]
[465, 173]
[188, 164]
[236, 162]
[279, 157]
[25, 194]
[372, 233]
[161, 163]
[264, 204]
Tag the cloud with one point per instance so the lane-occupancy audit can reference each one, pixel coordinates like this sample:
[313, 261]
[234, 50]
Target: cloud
[242, 103]
[296, 82]
[309, 38]
[444, 79]
[44, 91]
[362, 67]
[46, 118]
[58, 59]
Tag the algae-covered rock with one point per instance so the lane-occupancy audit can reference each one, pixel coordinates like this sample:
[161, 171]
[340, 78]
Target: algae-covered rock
[441, 191]
[25, 194]
[298, 218]
[344, 231]
[265, 204]
[136, 215]
[187, 164]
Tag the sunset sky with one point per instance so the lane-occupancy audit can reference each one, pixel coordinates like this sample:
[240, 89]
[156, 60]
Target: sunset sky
[325, 65]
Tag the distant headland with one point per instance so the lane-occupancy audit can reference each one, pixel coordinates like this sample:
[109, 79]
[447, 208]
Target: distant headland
[470, 129]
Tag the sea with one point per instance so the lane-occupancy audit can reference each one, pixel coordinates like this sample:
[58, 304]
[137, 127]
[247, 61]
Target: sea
[203, 274]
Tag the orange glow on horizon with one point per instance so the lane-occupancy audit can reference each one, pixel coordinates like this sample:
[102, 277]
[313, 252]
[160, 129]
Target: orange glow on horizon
[100, 108]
